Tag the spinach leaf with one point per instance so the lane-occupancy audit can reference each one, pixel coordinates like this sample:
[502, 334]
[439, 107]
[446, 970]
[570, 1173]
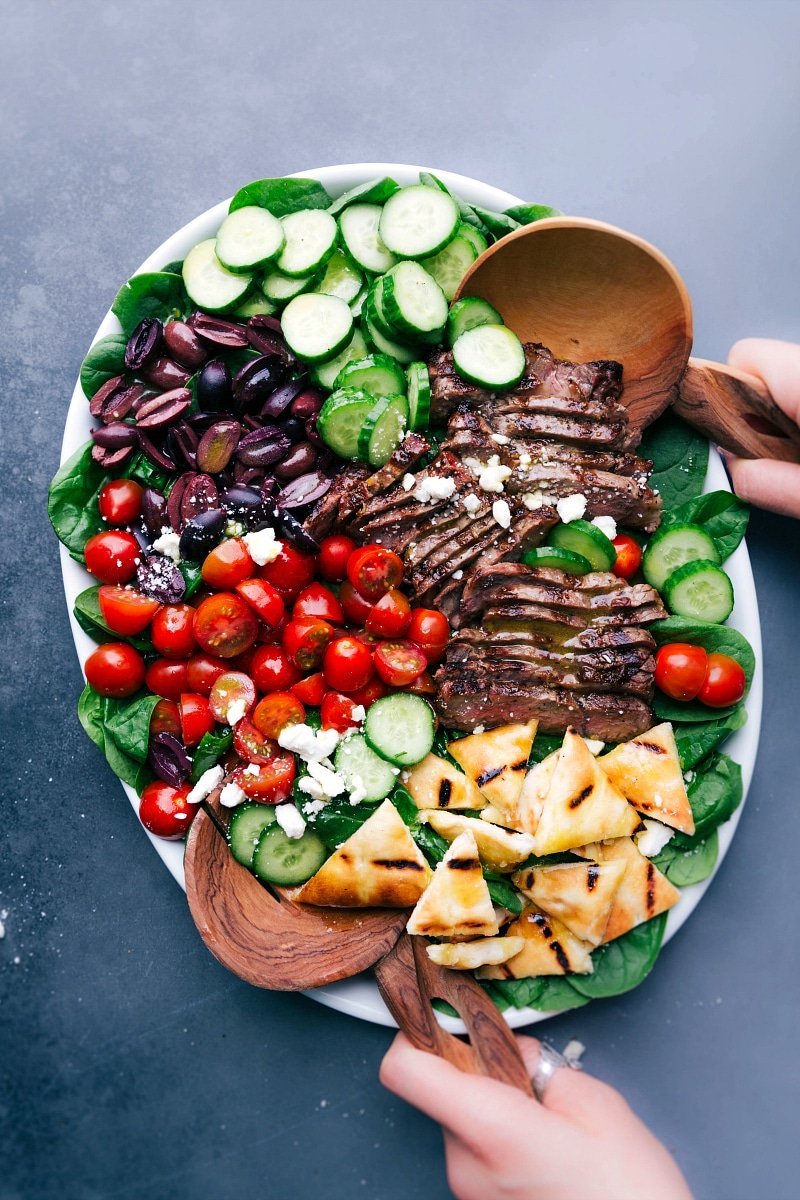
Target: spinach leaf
[173, 268]
[685, 867]
[94, 712]
[498, 224]
[696, 740]
[503, 893]
[282, 196]
[89, 616]
[137, 775]
[191, 574]
[680, 459]
[431, 843]
[72, 501]
[154, 294]
[526, 214]
[544, 744]
[716, 639]
[466, 211]
[547, 993]
[375, 191]
[723, 516]
[105, 359]
[339, 820]
[148, 474]
[128, 723]
[404, 804]
[714, 796]
[210, 750]
[91, 714]
[623, 964]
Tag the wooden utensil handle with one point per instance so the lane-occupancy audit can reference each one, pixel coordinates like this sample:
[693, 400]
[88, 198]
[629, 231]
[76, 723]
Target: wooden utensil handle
[408, 981]
[736, 411]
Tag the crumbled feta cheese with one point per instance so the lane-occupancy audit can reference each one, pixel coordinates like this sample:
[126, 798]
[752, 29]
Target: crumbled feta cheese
[312, 788]
[471, 502]
[331, 783]
[525, 459]
[434, 488]
[262, 546]
[493, 476]
[359, 714]
[653, 838]
[501, 439]
[479, 729]
[594, 745]
[502, 513]
[405, 776]
[313, 807]
[253, 769]
[231, 795]
[474, 465]
[606, 525]
[458, 574]
[235, 711]
[408, 482]
[311, 744]
[533, 500]
[205, 785]
[358, 791]
[571, 508]
[291, 820]
[168, 544]
[688, 776]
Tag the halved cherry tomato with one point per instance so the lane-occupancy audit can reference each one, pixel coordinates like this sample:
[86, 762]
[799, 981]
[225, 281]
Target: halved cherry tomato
[115, 669]
[167, 679]
[272, 669]
[390, 616]
[681, 669]
[224, 625]
[197, 718]
[310, 690]
[165, 811]
[251, 745]
[165, 718]
[275, 712]
[356, 607]
[305, 642]
[372, 570]
[112, 556]
[318, 601]
[227, 564]
[333, 555]
[291, 570]
[125, 610]
[120, 501]
[347, 665]
[399, 663]
[374, 690]
[273, 782]
[172, 631]
[423, 685]
[337, 712]
[263, 599]
[629, 556]
[725, 682]
[203, 670]
[233, 690]
[273, 636]
[430, 630]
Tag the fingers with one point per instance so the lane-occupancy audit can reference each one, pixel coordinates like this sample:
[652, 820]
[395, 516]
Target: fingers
[766, 483]
[778, 364]
[575, 1095]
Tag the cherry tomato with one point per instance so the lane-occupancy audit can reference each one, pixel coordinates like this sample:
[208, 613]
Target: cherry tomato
[167, 679]
[243, 662]
[423, 685]
[165, 718]
[203, 670]
[224, 625]
[233, 690]
[112, 556]
[227, 564]
[273, 636]
[347, 665]
[120, 501]
[274, 780]
[372, 570]
[333, 555]
[125, 610]
[172, 632]
[725, 682]
[196, 718]
[318, 601]
[681, 669]
[629, 556]
[374, 690]
[337, 712]
[399, 663]
[275, 712]
[310, 690]
[165, 811]
[305, 642]
[263, 599]
[115, 669]
[430, 630]
[251, 745]
[390, 616]
[356, 607]
[272, 669]
[290, 571]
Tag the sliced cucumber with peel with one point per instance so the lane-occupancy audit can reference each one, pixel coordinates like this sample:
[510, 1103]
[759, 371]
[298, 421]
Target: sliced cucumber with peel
[208, 284]
[490, 356]
[326, 374]
[700, 591]
[248, 822]
[418, 221]
[279, 287]
[474, 236]
[311, 237]
[412, 303]
[557, 558]
[341, 419]
[248, 238]
[375, 373]
[363, 769]
[450, 265]
[403, 354]
[288, 861]
[581, 537]
[253, 305]
[400, 728]
[317, 328]
[418, 391]
[341, 278]
[359, 225]
[470, 313]
[673, 548]
[383, 430]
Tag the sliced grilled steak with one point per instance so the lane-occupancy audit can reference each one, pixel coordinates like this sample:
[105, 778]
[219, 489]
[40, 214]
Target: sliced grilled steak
[511, 585]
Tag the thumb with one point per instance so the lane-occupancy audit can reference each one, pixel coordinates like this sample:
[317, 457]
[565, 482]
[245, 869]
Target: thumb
[766, 483]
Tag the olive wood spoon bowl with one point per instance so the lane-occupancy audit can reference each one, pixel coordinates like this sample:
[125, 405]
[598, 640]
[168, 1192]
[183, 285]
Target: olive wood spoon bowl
[590, 291]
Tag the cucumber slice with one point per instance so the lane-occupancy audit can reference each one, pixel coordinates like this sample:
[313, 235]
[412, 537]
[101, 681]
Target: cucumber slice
[288, 861]
[490, 356]
[474, 236]
[418, 221]
[400, 728]
[379, 341]
[248, 238]
[450, 265]
[363, 769]
[357, 305]
[341, 278]
[317, 327]
[248, 822]
[376, 373]
[672, 548]
[341, 418]
[700, 591]
[253, 305]
[207, 282]
[419, 396]
[326, 374]
[581, 537]
[359, 225]
[412, 303]
[373, 307]
[383, 430]
[470, 313]
[279, 287]
[559, 558]
[311, 237]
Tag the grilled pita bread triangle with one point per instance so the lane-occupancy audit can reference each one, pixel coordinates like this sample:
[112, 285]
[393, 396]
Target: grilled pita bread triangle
[647, 771]
[534, 790]
[498, 848]
[581, 799]
[436, 783]
[643, 893]
[550, 949]
[496, 761]
[466, 956]
[578, 894]
[378, 866]
[456, 903]
[495, 817]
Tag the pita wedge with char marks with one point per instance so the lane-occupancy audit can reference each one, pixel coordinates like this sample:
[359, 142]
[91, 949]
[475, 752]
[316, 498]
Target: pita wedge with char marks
[467, 956]
[581, 799]
[578, 894]
[498, 848]
[378, 866]
[456, 903]
[436, 783]
[647, 771]
[496, 761]
[643, 891]
[534, 793]
[550, 949]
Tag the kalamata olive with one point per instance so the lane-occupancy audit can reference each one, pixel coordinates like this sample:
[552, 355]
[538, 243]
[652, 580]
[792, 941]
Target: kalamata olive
[199, 495]
[110, 460]
[294, 429]
[201, 533]
[201, 420]
[241, 501]
[276, 404]
[142, 536]
[182, 443]
[256, 381]
[219, 331]
[268, 487]
[169, 759]
[164, 373]
[217, 445]
[154, 452]
[312, 433]
[307, 403]
[265, 321]
[214, 390]
[301, 459]
[262, 335]
[154, 511]
[115, 399]
[304, 490]
[288, 527]
[262, 447]
[184, 345]
[163, 409]
[144, 343]
[248, 476]
[174, 518]
[161, 579]
[115, 436]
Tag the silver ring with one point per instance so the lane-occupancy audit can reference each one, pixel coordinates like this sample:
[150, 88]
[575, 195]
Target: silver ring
[549, 1062]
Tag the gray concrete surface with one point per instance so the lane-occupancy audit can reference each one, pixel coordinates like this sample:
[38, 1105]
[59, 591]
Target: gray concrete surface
[132, 1065]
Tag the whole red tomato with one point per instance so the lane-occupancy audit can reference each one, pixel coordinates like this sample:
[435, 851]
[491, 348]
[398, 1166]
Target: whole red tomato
[430, 630]
[333, 555]
[390, 616]
[347, 665]
[112, 556]
[115, 669]
[120, 501]
[203, 670]
[291, 570]
[167, 679]
[356, 607]
[165, 810]
[681, 669]
[196, 716]
[172, 631]
[272, 669]
[227, 564]
[629, 556]
[318, 601]
[725, 682]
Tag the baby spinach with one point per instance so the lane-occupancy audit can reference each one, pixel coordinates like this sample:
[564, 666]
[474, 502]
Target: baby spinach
[685, 867]
[623, 964]
[282, 196]
[148, 474]
[96, 711]
[526, 214]
[503, 893]
[173, 268]
[106, 358]
[89, 615]
[128, 723]
[696, 740]
[680, 459]
[544, 744]
[375, 191]
[339, 820]
[72, 501]
[714, 796]
[193, 578]
[547, 993]
[153, 294]
[498, 224]
[210, 750]
[723, 516]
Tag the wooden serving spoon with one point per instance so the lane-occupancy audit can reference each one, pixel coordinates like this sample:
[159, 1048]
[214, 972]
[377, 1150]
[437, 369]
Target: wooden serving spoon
[588, 290]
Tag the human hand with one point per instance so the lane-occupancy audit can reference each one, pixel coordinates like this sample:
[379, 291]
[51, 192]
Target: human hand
[582, 1143]
[764, 482]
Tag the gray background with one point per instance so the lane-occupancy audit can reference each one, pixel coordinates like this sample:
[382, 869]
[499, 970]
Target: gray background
[132, 1064]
